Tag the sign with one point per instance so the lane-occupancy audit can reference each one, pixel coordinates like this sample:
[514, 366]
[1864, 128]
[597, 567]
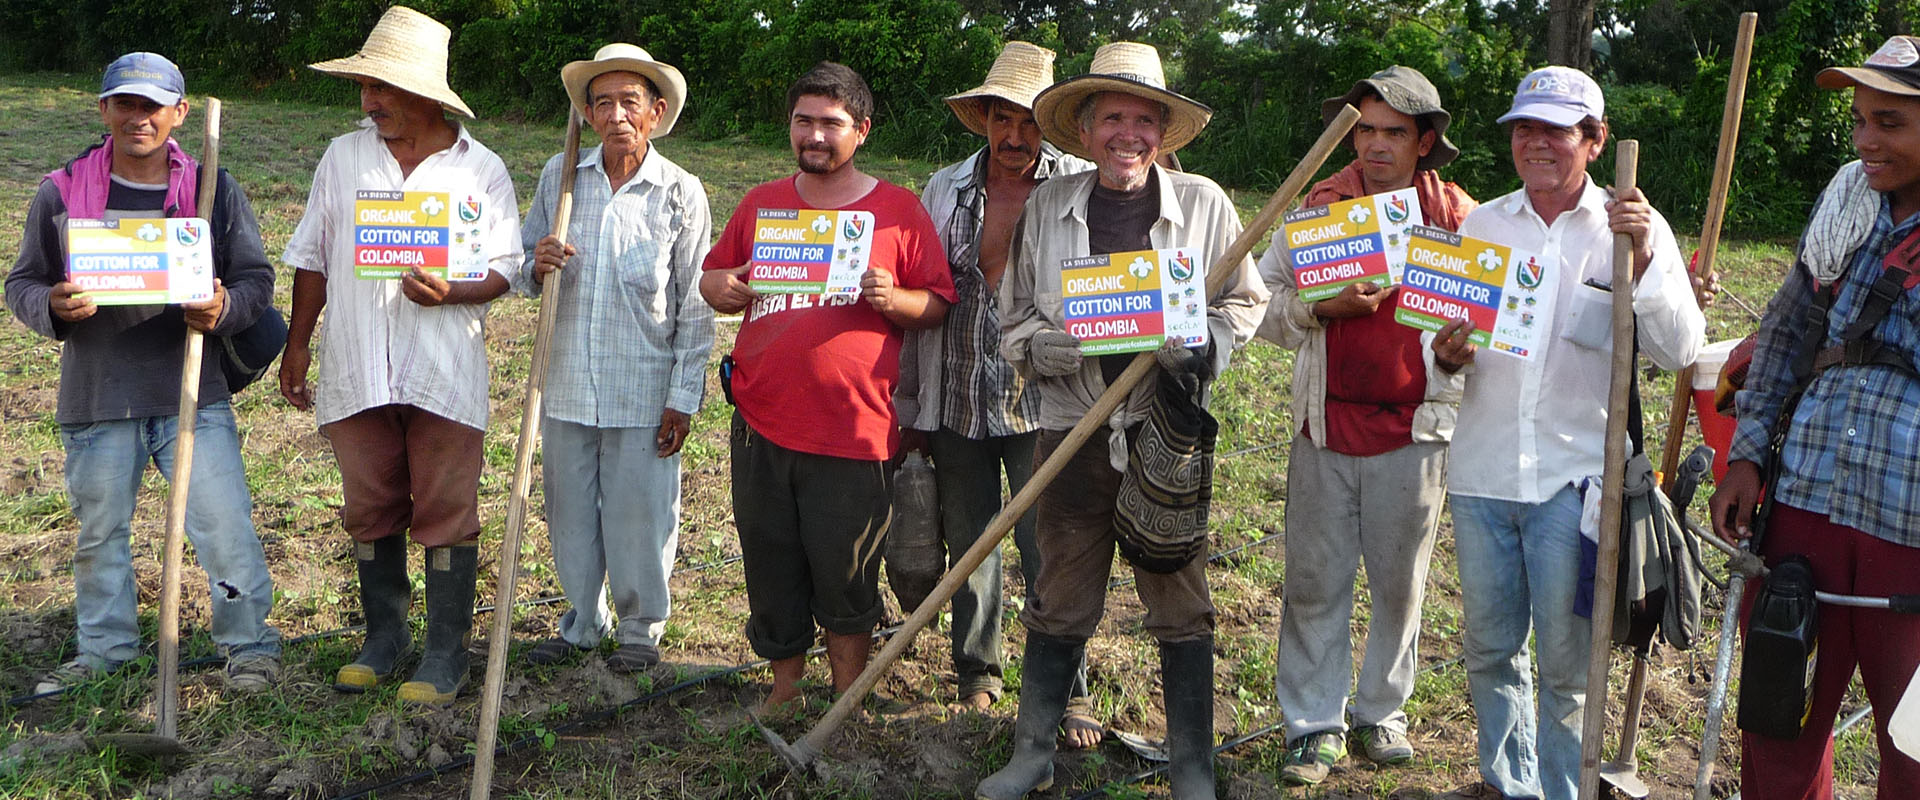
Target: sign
[1508, 293]
[135, 261]
[1363, 239]
[393, 232]
[803, 251]
[1131, 302]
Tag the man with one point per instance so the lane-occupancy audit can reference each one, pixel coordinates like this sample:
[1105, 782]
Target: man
[630, 344]
[958, 398]
[1849, 466]
[1367, 473]
[1121, 116]
[120, 378]
[404, 396]
[812, 378]
[1532, 432]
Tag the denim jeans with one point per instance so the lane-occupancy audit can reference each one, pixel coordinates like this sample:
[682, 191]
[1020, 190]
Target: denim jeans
[1519, 567]
[613, 514]
[105, 461]
[968, 473]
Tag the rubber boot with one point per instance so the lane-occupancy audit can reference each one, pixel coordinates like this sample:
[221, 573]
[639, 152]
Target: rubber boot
[1186, 679]
[1046, 676]
[384, 599]
[443, 669]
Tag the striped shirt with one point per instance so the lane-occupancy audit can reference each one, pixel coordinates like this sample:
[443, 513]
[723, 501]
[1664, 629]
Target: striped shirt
[1853, 452]
[632, 335]
[376, 346]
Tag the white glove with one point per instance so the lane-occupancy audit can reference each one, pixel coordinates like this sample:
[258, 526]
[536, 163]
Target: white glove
[1054, 353]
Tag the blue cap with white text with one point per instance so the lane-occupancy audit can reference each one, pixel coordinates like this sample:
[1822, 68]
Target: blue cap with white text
[149, 75]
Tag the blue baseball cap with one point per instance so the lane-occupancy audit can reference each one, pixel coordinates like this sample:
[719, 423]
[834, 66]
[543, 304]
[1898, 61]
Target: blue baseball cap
[1560, 96]
[149, 75]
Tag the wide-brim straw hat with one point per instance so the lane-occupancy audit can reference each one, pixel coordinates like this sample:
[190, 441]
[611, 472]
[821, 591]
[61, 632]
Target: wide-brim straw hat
[406, 50]
[622, 57]
[1125, 67]
[1019, 73]
[1406, 90]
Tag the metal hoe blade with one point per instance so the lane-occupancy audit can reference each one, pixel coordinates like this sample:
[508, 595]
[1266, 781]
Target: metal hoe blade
[151, 745]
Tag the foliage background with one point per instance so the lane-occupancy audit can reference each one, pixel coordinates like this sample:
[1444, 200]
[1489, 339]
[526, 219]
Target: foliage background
[1263, 66]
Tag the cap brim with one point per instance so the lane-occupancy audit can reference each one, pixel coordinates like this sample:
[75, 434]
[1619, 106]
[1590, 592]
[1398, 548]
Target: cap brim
[146, 90]
[1549, 113]
[1849, 77]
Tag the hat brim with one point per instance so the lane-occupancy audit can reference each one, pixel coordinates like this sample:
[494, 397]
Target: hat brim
[1849, 77]
[146, 90]
[405, 77]
[576, 76]
[1443, 152]
[967, 108]
[1549, 113]
[1057, 107]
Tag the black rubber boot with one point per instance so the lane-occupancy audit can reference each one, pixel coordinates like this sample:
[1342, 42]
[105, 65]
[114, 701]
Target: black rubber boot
[384, 599]
[1046, 676]
[443, 669]
[1186, 678]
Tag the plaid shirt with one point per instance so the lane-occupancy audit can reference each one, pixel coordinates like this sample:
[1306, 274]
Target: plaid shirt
[631, 335]
[1853, 452]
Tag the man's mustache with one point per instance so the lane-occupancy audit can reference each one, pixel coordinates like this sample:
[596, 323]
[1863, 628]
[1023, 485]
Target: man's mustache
[1016, 148]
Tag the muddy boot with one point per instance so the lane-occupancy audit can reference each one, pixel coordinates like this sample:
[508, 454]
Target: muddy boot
[384, 597]
[443, 669]
[1046, 676]
[1186, 678]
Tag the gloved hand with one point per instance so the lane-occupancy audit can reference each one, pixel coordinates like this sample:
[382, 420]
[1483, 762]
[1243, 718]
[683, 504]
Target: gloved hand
[1054, 353]
[1177, 359]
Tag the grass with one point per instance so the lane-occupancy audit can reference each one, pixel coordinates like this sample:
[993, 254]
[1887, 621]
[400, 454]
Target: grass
[307, 740]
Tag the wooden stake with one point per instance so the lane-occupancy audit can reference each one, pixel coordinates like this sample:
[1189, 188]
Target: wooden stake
[1607, 574]
[502, 636]
[802, 755]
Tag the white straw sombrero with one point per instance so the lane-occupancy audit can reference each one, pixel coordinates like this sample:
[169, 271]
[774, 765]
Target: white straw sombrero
[1126, 67]
[1020, 72]
[621, 57]
[406, 50]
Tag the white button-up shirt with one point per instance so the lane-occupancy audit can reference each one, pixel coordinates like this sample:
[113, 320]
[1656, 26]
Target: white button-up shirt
[376, 346]
[1528, 428]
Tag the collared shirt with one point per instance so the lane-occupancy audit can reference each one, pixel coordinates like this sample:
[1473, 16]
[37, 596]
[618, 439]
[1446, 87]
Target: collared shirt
[1852, 452]
[953, 376]
[376, 346]
[1194, 213]
[631, 335]
[1529, 427]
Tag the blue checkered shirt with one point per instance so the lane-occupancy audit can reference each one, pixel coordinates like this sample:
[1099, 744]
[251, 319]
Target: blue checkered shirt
[632, 334]
[1853, 452]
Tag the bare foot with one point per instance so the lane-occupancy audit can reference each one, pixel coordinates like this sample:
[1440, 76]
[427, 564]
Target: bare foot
[786, 685]
[977, 701]
[1080, 731]
[780, 700]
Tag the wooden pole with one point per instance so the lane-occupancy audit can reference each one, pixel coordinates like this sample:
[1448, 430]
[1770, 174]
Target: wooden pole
[1607, 574]
[1226, 267]
[181, 479]
[1710, 230]
[502, 636]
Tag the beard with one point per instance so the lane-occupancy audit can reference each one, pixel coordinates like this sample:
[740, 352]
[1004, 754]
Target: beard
[808, 164]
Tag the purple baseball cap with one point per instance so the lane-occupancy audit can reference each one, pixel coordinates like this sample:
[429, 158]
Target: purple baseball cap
[1560, 96]
[1894, 68]
[149, 75]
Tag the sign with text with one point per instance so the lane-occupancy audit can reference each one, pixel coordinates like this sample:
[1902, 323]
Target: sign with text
[393, 232]
[1131, 302]
[1363, 239]
[136, 261]
[803, 251]
[1508, 293]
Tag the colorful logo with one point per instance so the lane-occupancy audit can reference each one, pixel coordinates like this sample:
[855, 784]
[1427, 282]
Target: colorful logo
[854, 228]
[1529, 274]
[1181, 267]
[187, 233]
[470, 210]
[1397, 210]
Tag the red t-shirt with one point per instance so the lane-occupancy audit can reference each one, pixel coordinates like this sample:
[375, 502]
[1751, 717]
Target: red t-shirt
[816, 374]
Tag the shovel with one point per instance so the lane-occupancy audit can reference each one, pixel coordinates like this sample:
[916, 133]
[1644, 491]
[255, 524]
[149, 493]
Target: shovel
[800, 757]
[164, 742]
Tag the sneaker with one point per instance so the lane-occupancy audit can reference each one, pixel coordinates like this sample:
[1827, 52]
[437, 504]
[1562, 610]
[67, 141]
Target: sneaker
[634, 658]
[548, 652]
[1478, 790]
[1382, 745]
[1311, 757]
[72, 673]
[253, 672]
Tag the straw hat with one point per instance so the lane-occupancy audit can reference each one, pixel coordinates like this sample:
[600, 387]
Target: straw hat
[621, 57]
[1021, 71]
[1129, 68]
[406, 50]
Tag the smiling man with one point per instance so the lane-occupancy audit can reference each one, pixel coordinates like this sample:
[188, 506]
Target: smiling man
[628, 365]
[1842, 329]
[1367, 473]
[812, 380]
[1122, 117]
[402, 394]
[120, 378]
